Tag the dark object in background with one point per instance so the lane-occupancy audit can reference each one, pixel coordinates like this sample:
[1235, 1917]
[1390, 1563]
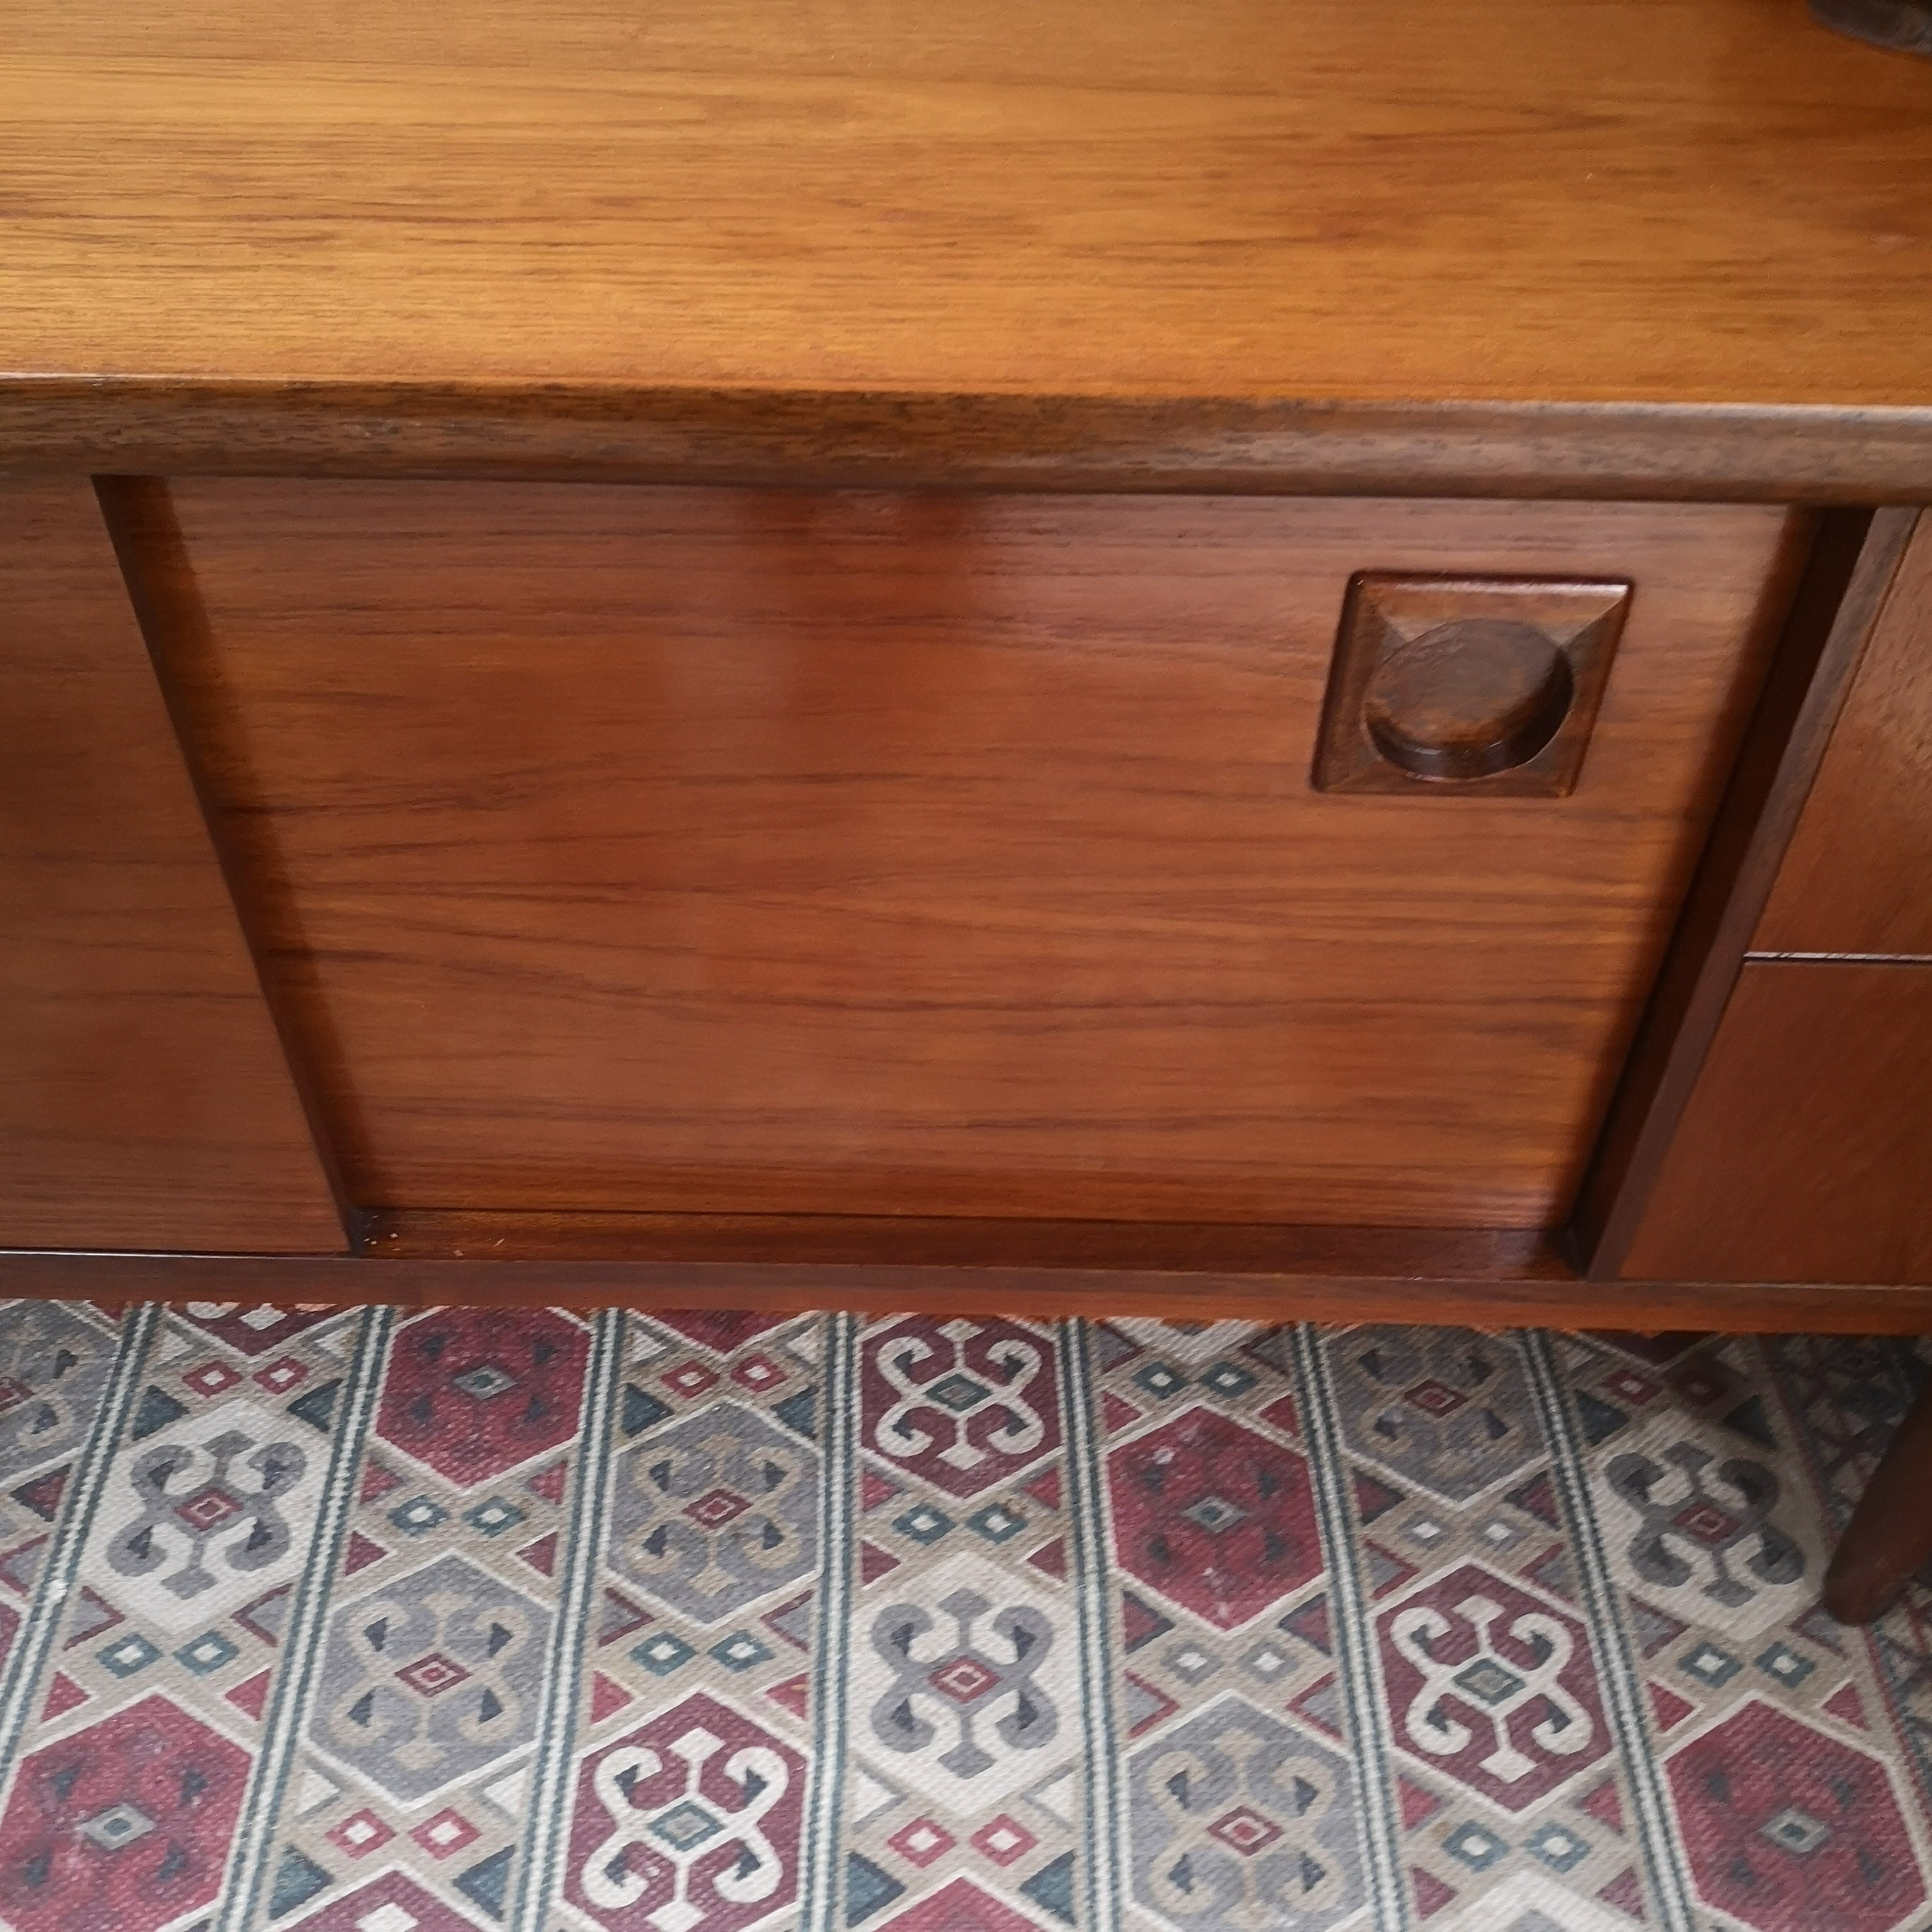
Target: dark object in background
[1905, 24]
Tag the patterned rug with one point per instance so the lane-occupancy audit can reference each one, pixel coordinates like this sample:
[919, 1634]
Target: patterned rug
[354, 1621]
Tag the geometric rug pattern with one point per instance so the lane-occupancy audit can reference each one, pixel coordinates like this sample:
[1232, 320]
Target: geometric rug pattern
[363, 1620]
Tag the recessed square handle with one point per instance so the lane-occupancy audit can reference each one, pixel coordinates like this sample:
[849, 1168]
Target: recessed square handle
[1467, 685]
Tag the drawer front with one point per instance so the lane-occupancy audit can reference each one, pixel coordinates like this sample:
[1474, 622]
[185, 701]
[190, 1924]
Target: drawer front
[1858, 876]
[1805, 1153]
[144, 1102]
[665, 848]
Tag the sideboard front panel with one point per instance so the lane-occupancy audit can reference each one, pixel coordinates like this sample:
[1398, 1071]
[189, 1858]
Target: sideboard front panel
[1806, 1152]
[671, 848]
[144, 1099]
[1858, 876]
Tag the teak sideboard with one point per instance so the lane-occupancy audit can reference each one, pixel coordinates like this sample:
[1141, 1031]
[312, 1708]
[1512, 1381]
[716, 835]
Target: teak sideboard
[1210, 658]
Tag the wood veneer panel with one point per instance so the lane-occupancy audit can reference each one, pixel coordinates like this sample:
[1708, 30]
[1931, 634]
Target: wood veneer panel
[659, 849]
[1847, 579]
[1858, 876]
[1805, 1153]
[144, 1100]
[1665, 201]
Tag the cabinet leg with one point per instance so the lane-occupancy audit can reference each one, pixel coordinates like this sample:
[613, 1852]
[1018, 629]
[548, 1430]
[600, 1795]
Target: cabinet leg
[1890, 1534]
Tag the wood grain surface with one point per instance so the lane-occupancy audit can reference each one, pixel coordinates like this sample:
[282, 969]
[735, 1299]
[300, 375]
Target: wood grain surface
[1858, 878]
[1806, 1152]
[955, 1242]
[1692, 202]
[875, 440]
[1519, 1290]
[1846, 581]
[651, 849]
[144, 1101]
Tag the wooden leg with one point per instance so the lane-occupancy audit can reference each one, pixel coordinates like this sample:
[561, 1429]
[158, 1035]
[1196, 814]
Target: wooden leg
[1890, 1534]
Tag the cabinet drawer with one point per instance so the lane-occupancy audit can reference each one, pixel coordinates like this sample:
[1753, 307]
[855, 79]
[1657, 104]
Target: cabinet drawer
[1805, 1153]
[662, 848]
[144, 1099]
[1858, 876]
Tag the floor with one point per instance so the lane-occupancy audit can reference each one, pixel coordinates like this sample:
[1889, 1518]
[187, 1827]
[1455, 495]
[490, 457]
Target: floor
[359, 1621]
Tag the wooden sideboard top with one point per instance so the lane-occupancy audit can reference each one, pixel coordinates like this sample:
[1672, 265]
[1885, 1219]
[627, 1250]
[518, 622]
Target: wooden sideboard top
[1147, 230]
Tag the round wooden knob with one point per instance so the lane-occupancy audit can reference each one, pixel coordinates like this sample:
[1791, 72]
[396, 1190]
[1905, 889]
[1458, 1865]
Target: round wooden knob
[1468, 699]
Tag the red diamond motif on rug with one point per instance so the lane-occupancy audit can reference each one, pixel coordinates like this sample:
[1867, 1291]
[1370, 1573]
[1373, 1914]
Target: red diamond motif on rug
[965, 1679]
[211, 1378]
[126, 1824]
[446, 1835]
[1777, 1816]
[716, 1507]
[1216, 1517]
[473, 1392]
[689, 1378]
[278, 1378]
[1245, 1830]
[43, 1495]
[430, 1676]
[360, 1833]
[207, 1508]
[1003, 1841]
[922, 1841]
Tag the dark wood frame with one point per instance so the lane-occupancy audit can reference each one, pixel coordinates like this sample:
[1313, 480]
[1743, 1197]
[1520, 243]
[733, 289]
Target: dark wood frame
[1499, 1278]
[868, 439]
[1540, 1296]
